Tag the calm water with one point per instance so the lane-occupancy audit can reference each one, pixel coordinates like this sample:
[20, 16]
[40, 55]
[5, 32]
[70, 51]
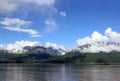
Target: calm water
[59, 72]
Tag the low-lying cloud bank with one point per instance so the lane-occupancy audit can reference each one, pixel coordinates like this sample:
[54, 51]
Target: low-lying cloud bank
[18, 46]
[97, 42]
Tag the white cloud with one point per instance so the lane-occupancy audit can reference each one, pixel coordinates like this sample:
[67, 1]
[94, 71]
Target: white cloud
[41, 2]
[15, 24]
[17, 47]
[51, 25]
[62, 13]
[96, 37]
[57, 47]
[113, 36]
[83, 41]
[108, 42]
[1, 46]
[7, 5]
[54, 45]
[13, 5]
[14, 21]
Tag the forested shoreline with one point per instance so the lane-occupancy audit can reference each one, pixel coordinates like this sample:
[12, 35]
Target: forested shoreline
[74, 57]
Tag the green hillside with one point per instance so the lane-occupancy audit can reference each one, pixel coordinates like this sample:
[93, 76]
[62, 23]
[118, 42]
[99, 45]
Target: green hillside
[75, 57]
[83, 58]
[23, 58]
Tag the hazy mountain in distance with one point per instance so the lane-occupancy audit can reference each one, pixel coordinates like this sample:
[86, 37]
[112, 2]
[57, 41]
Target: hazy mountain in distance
[41, 49]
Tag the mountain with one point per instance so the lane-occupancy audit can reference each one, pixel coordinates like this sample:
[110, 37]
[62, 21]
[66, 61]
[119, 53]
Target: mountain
[29, 54]
[34, 50]
[96, 47]
[41, 49]
[41, 54]
[85, 46]
[99, 44]
[3, 51]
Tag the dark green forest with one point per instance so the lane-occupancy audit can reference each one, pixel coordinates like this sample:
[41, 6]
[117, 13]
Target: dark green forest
[77, 57]
[23, 58]
[74, 57]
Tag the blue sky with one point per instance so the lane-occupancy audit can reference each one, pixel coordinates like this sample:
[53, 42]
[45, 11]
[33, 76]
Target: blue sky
[59, 21]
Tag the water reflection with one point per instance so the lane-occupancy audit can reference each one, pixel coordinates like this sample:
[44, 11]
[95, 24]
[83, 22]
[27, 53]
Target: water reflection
[58, 72]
